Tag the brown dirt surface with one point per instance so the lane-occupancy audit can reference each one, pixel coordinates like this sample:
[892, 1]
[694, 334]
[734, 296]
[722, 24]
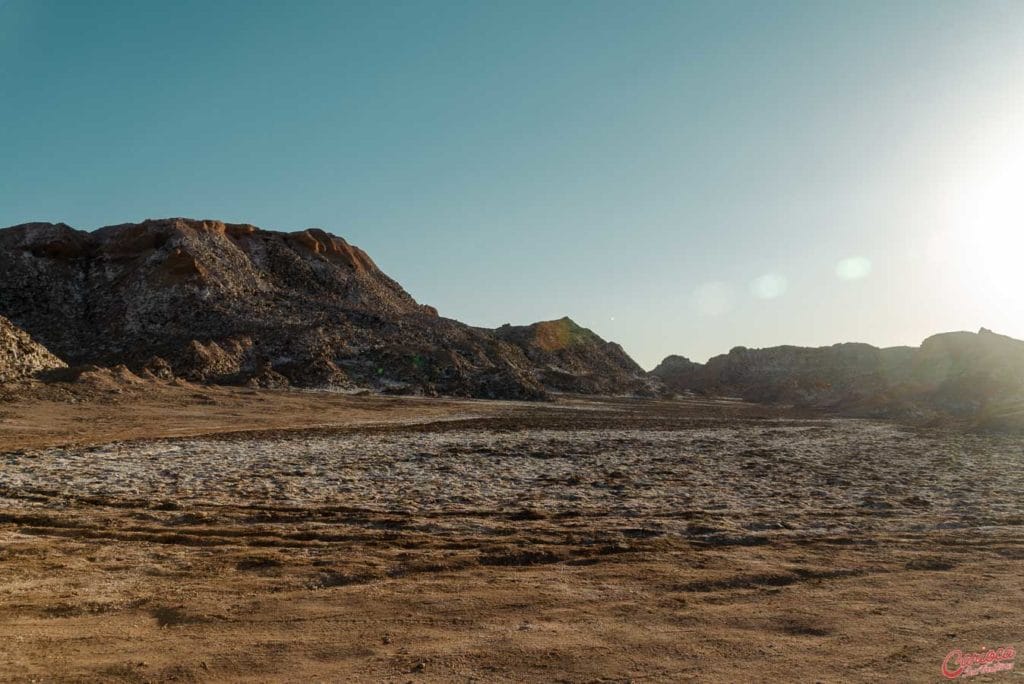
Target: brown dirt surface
[40, 415]
[210, 534]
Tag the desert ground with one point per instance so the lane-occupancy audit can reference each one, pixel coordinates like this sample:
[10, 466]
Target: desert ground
[213, 534]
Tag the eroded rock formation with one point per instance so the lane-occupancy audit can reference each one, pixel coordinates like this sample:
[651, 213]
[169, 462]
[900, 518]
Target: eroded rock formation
[231, 303]
[978, 375]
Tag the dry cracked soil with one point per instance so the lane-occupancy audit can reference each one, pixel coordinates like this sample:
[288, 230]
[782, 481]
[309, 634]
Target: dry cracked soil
[236, 535]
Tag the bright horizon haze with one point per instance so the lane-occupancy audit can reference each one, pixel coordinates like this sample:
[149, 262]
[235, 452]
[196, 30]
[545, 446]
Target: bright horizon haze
[680, 177]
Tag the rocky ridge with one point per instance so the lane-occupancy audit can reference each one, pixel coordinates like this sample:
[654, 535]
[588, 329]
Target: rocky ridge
[977, 375]
[215, 302]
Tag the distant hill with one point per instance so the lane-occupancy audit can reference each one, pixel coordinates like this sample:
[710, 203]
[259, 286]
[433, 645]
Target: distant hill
[802, 375]
[231, 303]
[571, 358]
[962, 374]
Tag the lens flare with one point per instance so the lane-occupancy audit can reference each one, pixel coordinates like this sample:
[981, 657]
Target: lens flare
[769, 286]
[853, 268]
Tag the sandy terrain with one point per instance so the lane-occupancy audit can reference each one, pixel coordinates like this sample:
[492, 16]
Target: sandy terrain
[214, 534]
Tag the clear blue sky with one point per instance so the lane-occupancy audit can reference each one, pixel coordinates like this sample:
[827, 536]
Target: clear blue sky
[680, 177]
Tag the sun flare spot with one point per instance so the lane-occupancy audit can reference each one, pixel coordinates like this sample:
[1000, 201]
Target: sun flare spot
[853, 268]
[769, 286]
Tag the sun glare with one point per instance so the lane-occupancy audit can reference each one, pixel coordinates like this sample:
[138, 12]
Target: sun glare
[985, 236]
[992, 230]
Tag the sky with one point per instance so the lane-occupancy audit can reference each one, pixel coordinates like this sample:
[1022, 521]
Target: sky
[680, 177]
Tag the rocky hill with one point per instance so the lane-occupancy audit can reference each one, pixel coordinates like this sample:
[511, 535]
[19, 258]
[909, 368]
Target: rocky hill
[231, 303]
[20, 356]
[978, 375]
[679, 374]
[801, 375]
[570, 358]
[967, 373]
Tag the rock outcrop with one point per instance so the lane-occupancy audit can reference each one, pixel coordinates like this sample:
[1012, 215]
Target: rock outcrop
[819, 376]
[20, 356]
[964, 373]
[570, 358]
[977, 375]
[679, 374]
[231, 303]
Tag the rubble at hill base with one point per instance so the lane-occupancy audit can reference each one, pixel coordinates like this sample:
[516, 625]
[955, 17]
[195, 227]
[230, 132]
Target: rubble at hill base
[20, 356]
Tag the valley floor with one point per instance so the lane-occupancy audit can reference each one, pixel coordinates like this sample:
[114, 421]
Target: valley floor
[207, 534]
